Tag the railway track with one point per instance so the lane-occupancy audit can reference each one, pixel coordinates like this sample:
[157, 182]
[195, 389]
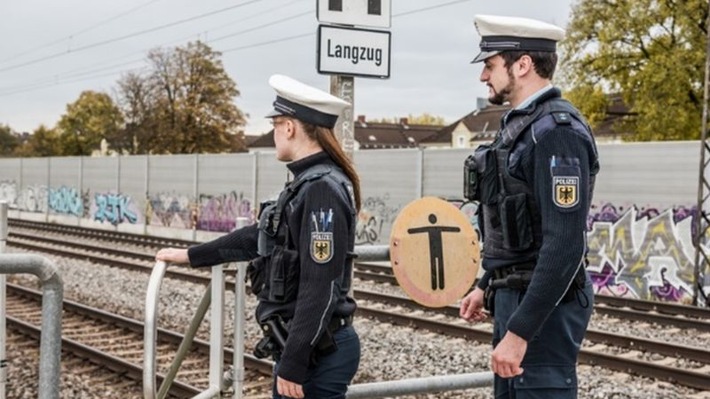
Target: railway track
[622, 308]
[664, 361]
[115, 343]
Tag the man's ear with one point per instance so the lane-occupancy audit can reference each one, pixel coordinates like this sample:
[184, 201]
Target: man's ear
[524, 65]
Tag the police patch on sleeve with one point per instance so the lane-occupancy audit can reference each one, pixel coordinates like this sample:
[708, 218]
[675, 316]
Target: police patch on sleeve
[566, 176]
[321, 246]
[565, 191]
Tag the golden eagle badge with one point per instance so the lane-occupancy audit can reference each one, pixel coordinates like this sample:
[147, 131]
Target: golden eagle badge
[565, 191]
[321, 246]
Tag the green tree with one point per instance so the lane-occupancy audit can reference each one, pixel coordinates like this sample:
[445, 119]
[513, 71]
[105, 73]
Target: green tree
[43, 142]
[9, 141]
[650, 52]
[137, 99]
[88, 120]
[194, 107]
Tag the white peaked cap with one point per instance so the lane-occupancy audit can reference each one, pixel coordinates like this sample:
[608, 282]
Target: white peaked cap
[305, 103]
[500, 33]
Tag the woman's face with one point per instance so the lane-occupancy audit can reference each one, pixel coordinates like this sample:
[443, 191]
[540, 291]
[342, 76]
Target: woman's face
[283, 131]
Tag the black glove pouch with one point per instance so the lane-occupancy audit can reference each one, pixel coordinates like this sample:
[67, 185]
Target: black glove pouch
[283, 271]
[257, 272]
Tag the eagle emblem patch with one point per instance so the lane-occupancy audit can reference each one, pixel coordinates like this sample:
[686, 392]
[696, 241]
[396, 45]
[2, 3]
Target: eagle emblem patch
[321, 246]
[565, 191]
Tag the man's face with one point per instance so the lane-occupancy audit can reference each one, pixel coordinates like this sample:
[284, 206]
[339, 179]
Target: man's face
[499, 79]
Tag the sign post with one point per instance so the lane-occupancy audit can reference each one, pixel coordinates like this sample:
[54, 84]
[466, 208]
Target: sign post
[344, 87]
[345, 52]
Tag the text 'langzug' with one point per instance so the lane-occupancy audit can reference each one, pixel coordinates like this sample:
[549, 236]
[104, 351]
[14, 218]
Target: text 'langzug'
[355, 53]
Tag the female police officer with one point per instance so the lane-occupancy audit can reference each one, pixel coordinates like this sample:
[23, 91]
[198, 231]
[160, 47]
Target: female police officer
[301, 250]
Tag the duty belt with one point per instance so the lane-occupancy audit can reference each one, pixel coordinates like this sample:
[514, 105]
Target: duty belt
[337, 322]
[515, 277]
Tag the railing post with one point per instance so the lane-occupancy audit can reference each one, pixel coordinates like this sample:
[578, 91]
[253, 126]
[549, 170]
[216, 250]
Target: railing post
[239, 321]
[3, 303]
[150, 329]
[216, 333]
[50, 348]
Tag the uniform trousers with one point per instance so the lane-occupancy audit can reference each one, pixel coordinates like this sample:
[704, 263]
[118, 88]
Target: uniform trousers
[330, 378]
[550, 362]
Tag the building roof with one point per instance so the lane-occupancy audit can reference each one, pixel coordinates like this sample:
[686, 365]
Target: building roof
[616, 111]
[374, 135]
[483, 123]
[249, 139]
[391, 135]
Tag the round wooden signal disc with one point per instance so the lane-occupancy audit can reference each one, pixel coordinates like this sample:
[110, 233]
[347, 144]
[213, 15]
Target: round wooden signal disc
[434, 252]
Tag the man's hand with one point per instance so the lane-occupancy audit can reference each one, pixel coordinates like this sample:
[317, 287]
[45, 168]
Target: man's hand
[472, 306]
[507, 356]
[173, 255]
[288, 388]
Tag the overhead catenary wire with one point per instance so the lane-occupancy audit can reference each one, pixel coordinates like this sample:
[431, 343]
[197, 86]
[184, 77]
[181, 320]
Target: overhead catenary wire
[82, 31]
[130, 35]
[62, 78]
[54, 81]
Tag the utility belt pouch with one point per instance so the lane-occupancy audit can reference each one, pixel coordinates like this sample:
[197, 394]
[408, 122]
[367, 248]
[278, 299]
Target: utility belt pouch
[488, 172]
[257, 273]
[577, 285]
[267, 229]
[326, 345]
[283, 278]
[516, 222]
[489, 296]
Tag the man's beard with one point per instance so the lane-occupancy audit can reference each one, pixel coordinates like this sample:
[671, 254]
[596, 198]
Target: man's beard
[500, 97]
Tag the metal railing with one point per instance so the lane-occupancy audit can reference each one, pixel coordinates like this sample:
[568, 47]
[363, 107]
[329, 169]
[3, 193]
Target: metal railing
[218, 380]
[424, 385]
[52, 297]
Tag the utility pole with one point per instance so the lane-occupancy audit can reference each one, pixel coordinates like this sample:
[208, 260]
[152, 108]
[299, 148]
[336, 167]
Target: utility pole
[344, 88]
[702, 219]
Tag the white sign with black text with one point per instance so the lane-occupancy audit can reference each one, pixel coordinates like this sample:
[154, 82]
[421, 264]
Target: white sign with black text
[356, 52]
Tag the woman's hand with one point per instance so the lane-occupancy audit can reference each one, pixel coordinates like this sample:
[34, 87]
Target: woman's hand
[173, 255]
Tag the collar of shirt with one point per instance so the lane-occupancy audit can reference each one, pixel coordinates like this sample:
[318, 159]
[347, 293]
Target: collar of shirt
[534, 97]
[527, 102]
[300, 166]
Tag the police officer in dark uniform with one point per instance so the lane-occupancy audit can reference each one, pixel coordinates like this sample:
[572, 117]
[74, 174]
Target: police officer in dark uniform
[534, 184]
[301, 250]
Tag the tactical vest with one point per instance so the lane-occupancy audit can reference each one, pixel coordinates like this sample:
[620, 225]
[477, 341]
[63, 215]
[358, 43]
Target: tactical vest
[512, 225]
[274, 274]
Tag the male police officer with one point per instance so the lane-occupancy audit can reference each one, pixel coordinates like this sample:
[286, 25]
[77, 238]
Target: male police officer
[534, 184]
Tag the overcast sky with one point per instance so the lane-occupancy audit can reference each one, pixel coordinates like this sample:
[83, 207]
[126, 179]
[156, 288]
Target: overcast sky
[53, 50]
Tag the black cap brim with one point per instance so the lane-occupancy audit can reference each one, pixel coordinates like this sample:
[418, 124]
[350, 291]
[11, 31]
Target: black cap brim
[484, 55]
[274, 113]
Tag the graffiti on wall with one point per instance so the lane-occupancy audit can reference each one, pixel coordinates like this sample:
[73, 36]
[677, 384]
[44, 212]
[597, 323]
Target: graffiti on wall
[114, 208]
[220, 212]
[68, 201]
[375, 212]
[171, 210]
[642, 253]
[8, 193]
[33, 198]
